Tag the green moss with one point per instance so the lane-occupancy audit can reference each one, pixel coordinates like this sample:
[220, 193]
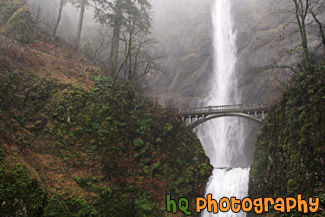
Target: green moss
[21, 26]
[144, 206]
[73, 207]
[130, 142]
[119, 202]
[7, 9]
[293, 139]
[291, 183]
[21, 191]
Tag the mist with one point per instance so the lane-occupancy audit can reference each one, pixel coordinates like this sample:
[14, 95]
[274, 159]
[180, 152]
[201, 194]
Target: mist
[114, 107]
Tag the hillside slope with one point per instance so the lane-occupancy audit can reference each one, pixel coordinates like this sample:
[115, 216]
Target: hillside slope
[290, 148]
[72, 144]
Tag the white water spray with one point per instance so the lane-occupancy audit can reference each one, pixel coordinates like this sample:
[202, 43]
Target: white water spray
[223, 138]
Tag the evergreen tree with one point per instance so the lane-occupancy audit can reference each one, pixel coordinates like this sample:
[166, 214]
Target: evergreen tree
[129, 16]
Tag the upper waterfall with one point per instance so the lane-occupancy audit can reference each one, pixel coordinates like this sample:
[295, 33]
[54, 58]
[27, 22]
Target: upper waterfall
[223, 138]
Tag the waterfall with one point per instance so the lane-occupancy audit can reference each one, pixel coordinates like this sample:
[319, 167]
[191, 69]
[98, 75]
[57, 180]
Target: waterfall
[223, 138]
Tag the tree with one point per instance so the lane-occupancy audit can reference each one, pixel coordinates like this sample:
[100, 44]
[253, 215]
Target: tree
[136, 43]
[43, 11]
[82, 4]
[112, 65]
[94, 48]
[62, 3]
[305, 15]
[301, 13]
[36, 10]
[117, 15]
[313, 9]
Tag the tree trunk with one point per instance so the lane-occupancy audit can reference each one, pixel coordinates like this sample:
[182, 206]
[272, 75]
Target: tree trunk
[59, 18]
[320, 25]
[305, 45]
[81, 18]
[130, 55]
[301, 15]
[112, 65]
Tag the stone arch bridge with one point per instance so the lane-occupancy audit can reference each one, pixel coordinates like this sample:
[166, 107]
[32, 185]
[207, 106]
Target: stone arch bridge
[193, 117]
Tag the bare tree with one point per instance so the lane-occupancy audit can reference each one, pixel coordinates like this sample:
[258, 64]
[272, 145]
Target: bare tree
[313, 9]
[95, 47]
[137, 52]
[45, 15]
[113, 59]
[305, 15]
[62, 3]
[81, 17]
[301, 13]
[37, 10]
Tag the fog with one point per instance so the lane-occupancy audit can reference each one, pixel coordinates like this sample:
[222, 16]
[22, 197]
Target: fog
[167, 16]
[49, 9]
[182, 29]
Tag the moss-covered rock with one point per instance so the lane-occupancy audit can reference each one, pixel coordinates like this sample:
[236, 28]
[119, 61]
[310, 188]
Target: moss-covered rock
[21, 25]
[16, 21]
[21, 190]
[7, 9]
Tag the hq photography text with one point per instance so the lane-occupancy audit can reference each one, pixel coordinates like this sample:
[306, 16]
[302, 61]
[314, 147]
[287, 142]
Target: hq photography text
[258, 205]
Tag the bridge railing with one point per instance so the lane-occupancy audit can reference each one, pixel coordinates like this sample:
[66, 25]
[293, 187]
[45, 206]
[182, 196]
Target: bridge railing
[225, 108]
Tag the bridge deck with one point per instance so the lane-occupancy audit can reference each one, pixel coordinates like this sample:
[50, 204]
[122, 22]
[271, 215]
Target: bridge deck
[243, 108]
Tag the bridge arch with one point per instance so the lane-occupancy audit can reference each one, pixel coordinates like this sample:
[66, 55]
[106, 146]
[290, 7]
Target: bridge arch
[210, 117]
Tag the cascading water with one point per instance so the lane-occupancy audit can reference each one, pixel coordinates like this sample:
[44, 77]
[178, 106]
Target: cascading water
[223, 138]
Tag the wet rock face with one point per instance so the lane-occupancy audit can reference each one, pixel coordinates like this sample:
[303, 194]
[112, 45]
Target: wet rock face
[267, 37]
[260, 40]
[183, 29]
[184, 32]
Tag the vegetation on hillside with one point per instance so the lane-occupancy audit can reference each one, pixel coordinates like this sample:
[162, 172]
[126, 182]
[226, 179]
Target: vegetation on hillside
[74, 143]
[290, 148]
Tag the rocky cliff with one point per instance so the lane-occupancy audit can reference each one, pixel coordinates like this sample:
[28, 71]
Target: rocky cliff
[183, 29]
[290, 149]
